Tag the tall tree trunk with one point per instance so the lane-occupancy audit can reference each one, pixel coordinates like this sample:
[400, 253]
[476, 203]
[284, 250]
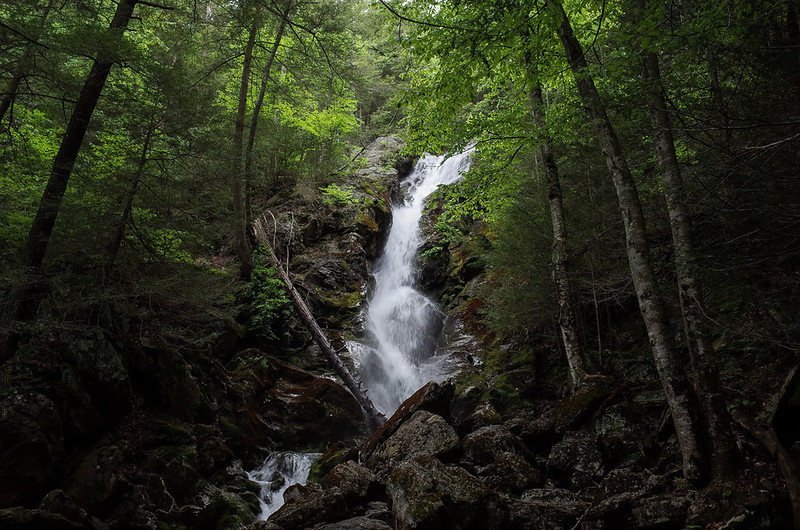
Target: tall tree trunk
[677, 389]
[251, 137]
[21, 303]
[560, 255]
[717, 98]
[709, 392]
[243, 250]
[112, 250]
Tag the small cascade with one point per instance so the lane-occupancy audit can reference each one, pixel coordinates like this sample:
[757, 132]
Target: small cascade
[279, 471]
[403, 323]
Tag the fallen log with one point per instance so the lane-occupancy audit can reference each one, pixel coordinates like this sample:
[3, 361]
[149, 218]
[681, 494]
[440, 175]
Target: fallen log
[374, 418]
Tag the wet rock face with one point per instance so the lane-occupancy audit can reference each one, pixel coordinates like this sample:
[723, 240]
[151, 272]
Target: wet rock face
[294, 408]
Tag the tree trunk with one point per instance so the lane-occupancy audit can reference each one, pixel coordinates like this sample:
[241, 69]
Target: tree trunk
[676, 386]
[251, 138]
[718, 100]
[243, 250]
[709, 392]
[13, 85]
[112, 250]
[21, 303]
[560, 254]
[374, 418]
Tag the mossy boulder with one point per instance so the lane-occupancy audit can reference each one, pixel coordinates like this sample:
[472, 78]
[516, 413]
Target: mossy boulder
[308, 505]
[427, 494]
[424, 433]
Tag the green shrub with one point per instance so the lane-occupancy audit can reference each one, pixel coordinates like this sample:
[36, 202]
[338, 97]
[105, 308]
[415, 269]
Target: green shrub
[333, 194]
[269, 305]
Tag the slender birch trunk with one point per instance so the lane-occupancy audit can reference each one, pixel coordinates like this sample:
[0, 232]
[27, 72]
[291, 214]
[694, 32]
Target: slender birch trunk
[114, 245]
[560, 255]
[709, 392]
[677, 389]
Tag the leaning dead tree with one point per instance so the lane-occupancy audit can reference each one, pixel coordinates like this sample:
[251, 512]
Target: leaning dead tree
[374, 418]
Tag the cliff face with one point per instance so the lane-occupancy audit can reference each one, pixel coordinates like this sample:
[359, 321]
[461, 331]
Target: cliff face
[149, 419]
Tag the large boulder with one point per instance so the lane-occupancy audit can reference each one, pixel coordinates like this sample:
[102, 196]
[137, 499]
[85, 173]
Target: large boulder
[511, 473]
[103, 372]
[432, 397]
[427, 494]
[577, 458]
[309, 505]
[424, 433]
[568, 414]
[484, 446]
[357, 523]
[291, 407]
[97, 478]
[353, 480]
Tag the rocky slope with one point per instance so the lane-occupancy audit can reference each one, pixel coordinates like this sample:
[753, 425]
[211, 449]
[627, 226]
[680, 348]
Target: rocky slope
[148, 419]
[131, 425]
[603, 458]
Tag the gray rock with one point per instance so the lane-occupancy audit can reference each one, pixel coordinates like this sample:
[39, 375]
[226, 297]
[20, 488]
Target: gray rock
[353, 480]
[511, 473]
[545, 509]
[485, 445]
[577, 453]
[663, 511]
[423, 434]
[309, 505]
[96, 478]
[23, 519]
[31, 444]
[427, 494]
[433, 397]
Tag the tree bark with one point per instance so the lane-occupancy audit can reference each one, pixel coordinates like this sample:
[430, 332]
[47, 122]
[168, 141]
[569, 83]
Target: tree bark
[677, 389]
[374, 418]
[112, 250]
[251, 137]
[243, 250]
[21, 303]
[560, 255]
[709, 392]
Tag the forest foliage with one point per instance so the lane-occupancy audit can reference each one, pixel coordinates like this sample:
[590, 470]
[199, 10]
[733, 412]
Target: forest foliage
[162, 181]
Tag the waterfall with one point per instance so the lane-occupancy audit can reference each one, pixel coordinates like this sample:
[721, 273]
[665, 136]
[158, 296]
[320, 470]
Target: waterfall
[402, 323]
[279, 471]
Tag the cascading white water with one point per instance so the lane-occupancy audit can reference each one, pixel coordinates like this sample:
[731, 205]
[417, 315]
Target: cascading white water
[279, 471]
[403, 323]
